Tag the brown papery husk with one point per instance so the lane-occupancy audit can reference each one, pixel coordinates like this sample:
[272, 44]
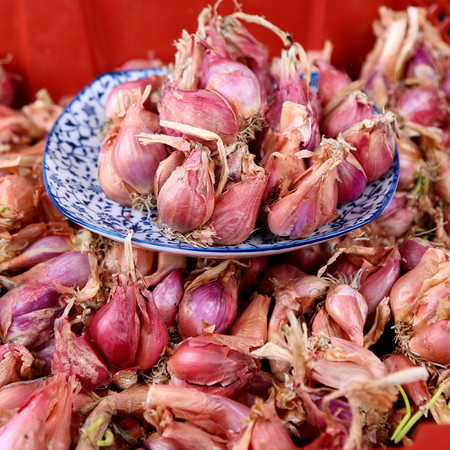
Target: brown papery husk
[301, 293]
[19, 201]
[15, 364]
[167, 262]
[187, 436]
[215, 414]
[252, 323]
[263, 426]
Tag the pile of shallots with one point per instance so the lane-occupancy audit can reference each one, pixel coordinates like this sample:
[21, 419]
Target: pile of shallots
[231, 141]
[342, 344]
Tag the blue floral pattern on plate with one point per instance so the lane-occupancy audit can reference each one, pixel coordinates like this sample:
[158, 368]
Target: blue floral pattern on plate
[70, 176]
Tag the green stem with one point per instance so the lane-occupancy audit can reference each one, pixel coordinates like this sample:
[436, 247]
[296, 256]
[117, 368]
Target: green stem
[108, 440]
[418, 183]
[407, 415]
[420, 413]
[95, 425]
[427, 185]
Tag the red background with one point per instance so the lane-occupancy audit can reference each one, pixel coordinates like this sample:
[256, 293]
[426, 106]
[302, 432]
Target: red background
[63, 44]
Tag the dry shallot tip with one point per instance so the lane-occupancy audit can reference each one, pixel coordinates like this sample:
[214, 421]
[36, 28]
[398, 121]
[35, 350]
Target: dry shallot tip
[208, 136]
[285, 37]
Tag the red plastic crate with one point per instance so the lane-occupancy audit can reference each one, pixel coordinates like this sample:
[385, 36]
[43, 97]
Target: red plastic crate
[63, 44]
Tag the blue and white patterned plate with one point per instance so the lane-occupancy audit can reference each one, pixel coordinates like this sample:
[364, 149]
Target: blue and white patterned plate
[70, 175]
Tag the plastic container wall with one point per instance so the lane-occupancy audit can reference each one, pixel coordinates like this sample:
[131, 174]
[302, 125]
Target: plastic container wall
[63, 44]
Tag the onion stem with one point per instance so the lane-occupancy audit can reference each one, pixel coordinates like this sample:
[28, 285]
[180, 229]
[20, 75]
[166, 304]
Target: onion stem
[418, 183]
[108, 440]
[407, 415]
[93, 427]
[251, 18]
[420, 413]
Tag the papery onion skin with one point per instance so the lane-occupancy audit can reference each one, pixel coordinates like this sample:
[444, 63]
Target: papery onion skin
[423, 104]
[205, 364]
[442, 184]
[355, 108]
[208, 306]
[41, 250]
[398, 217]
[276, 274]
[349, 309]
[186, 200]
[115, 328]
[201, 108]
[309, 259]
[430, 342]
[210, 301]
[77, 355]
[351, 179]
[28, 312]
[410, 163]
[111, 107]
[236, 210]
[111, 184]
[166, 167]
[412, 250]
[331, 80]
[154, 336]
[15, 363]
[237, 84]
[70, 269]
[224, 416]
[379, 283]
[135, 163]
[403, 294]
[115, 260]
[312, 201]
[374, 141]
[17, 201]
[168, 294]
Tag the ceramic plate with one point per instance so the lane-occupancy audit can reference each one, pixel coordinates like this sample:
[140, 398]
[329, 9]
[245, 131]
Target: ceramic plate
[70, 174]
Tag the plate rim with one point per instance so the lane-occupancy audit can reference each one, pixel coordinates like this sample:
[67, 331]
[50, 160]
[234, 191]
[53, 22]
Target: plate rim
[184, 248]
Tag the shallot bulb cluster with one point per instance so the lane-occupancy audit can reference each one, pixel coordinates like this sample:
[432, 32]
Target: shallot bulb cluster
[226, 151]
